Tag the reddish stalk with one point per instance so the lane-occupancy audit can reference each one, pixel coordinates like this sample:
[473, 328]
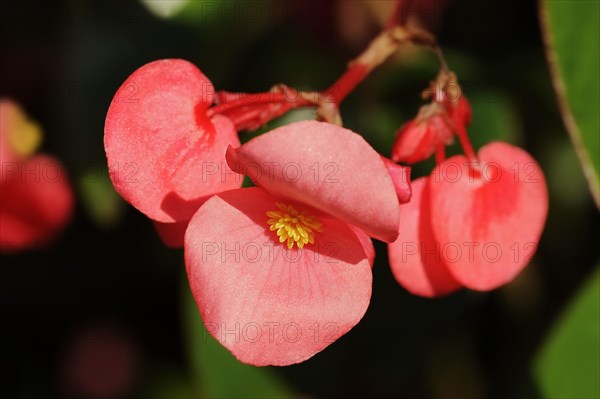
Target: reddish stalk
[395, 15]
[440, 154]
[355, 74]
[465, 143]
[251, 99]
[379, 50]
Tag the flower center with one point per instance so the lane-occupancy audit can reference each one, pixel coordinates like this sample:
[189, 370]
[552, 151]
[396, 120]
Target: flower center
[293, 226]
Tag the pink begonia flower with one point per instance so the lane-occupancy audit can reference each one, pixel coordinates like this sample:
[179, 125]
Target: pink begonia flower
[481, 222]
[282, 270]
[165, 156]
[36, 197]
[415, 257]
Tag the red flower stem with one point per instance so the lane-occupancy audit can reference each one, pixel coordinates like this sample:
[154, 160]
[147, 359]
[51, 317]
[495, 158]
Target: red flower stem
[378, 51]
[355, 74]
[394, 18]
[440, 154]
[465, 143]
[245, 99]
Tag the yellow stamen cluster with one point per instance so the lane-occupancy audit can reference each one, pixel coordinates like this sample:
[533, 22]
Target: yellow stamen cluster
[293, 226]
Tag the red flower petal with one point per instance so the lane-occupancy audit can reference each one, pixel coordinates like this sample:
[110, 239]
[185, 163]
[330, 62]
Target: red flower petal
[417, 139]
[36, 202]
[171, 234]
[165, 156]
[400, 175]
[267, 304]
[366, 242]
[488, 226]
[460, 111]
[327, 167]
[415, 257]
[414, 142]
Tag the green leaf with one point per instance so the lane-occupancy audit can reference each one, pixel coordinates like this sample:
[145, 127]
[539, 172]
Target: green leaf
[216, 371]
[572, 36]
[99, 198]
[566, 183]
[569, 364]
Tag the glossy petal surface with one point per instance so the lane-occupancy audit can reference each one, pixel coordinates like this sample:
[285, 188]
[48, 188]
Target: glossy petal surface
[400, 175]
[415, 257]
[418, 138]
[414, 142]
[165, 156]
[327, 167]
[366, 242]
[488, 226]
[267, 304]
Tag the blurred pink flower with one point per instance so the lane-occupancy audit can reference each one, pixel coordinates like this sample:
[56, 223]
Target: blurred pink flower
[36, 197]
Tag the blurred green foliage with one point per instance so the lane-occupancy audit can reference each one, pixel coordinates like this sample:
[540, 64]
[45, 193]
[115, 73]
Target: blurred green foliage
[573, 38]
[568, 365]
[98, 197]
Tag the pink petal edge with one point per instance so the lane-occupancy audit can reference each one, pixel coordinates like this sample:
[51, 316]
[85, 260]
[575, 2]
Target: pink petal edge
[165, 156]
[488, 227]
[415, 257]
[327, 167]
[265, 303]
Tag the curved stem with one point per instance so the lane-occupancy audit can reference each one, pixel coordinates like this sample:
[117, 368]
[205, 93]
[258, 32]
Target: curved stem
[442, 60]
[328, 101]
[465, 143]
[440, 154]
[394, 18]
[355, 74]
[246, 99]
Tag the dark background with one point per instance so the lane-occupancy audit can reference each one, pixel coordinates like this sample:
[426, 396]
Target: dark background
[109, 274]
